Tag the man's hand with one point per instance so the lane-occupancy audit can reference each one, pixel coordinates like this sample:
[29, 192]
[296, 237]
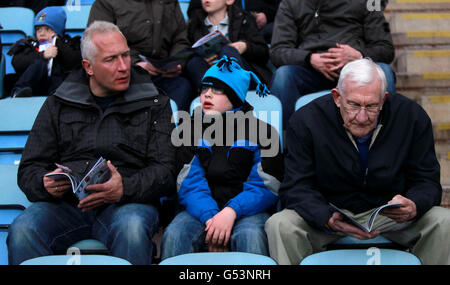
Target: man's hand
[324, 65]
[341, 55]
[107, 193]
[174, 72]
[261, 19]
[50, 52]
[56, 188]
[404, 213]
[150, 68]
[219, 228]
[337, 224]
[240, 46]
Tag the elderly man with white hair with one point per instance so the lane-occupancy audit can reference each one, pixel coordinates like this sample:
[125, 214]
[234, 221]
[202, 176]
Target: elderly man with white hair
[359, 149]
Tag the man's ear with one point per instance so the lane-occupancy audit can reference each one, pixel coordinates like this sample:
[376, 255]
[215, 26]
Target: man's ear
[336, 95]
[386, 94]
[87, 66]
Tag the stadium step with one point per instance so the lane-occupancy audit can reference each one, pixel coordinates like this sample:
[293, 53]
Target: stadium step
[432, 62]
[446, 196]
[421, 34]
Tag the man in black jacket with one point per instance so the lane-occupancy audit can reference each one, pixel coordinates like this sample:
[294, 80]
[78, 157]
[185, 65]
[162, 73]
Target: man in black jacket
[106, 110]
[313, 39]
[360, 149]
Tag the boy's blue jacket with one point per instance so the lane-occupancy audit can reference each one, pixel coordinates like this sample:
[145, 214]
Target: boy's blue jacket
[212, 177]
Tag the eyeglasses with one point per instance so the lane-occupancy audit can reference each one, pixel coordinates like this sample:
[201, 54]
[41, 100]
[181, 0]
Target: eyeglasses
[215, 90]
[354, 109]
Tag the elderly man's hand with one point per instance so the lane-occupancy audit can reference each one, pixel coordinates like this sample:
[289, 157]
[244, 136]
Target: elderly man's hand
[404, 213]
[107, 193]
[337, 224]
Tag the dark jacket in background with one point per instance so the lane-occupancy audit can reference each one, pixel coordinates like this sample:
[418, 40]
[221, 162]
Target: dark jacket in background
[133, 132]
[311, 26]
[154, 28]
[322, 163]
[242, 27]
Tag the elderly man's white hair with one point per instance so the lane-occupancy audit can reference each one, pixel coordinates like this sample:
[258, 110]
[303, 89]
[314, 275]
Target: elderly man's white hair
[88, 48]
[362, 72]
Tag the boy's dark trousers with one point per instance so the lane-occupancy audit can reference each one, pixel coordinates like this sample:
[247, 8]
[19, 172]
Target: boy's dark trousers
[36, 77]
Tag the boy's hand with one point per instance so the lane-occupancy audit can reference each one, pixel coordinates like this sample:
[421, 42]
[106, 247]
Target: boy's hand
[50, 52]
[219, 228]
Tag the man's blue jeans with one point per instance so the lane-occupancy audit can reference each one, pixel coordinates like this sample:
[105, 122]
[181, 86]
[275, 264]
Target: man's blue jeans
[186, 234]
[45, 228]
[290, 82]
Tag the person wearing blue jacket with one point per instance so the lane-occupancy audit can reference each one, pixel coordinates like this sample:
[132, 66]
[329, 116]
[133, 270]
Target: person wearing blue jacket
[226, 187]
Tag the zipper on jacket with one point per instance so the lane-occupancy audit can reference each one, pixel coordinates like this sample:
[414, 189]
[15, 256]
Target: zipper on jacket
[365, 176]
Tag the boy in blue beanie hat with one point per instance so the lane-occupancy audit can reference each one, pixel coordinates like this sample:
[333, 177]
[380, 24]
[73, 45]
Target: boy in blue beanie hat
[42, 62]
[226, 188]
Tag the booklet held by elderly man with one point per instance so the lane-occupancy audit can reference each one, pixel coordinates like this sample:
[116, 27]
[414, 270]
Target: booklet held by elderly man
[369, 224]
[99, 173]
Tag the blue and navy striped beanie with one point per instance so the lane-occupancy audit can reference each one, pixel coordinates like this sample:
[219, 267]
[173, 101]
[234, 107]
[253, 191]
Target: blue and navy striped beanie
[228, 75]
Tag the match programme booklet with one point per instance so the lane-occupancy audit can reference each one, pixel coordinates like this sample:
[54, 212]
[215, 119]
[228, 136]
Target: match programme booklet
[207, 46]
[368, 226]
[99, 173]
[210, 44]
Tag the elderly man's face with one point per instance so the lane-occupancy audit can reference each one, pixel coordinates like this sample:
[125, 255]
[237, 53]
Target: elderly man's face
[359, 106]
[110, 68]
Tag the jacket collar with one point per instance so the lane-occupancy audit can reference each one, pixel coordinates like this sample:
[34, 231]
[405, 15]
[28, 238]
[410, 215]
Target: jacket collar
[75, 89]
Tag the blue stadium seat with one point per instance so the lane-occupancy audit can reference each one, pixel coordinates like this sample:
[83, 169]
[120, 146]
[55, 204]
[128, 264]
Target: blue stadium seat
[174, 107]
[219, 258]
[18, 114]
[79, 2]
[77, 18]
[12, 203]
[184, 5]
[90, 246]
[371, 256]
[305, 99]
[267, 109]
[76, 260]
[17, 22]
[2, 73]
[349, 242]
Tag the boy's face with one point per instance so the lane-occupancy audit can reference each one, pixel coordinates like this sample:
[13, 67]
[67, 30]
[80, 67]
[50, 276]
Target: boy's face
[211, 6]
[44, 33]
[214, 100]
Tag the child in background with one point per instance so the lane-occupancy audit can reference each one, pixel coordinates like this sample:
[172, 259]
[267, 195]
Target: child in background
[247, 44]
[43, 62]
[226, 191]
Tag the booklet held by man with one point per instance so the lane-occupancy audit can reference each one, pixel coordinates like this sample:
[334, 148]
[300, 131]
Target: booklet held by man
[99, 173]
[171, 62]
[369, 224]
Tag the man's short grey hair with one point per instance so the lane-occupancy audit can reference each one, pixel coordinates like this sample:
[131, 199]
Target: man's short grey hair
[88, 48]
[361, 72]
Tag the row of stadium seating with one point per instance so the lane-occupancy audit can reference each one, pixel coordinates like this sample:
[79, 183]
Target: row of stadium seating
[16, 119]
